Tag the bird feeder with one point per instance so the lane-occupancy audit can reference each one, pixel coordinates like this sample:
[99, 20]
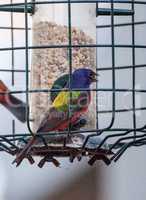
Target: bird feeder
[66, 31]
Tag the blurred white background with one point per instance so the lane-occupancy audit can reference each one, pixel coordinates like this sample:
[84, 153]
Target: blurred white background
[125, 179]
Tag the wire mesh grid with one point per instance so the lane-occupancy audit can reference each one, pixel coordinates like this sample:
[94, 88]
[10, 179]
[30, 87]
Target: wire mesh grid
[119, 138]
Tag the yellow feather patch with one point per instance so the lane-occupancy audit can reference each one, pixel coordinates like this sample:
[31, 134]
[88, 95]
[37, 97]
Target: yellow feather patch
[63, 98]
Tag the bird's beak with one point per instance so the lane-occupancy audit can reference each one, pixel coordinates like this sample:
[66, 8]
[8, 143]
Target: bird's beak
[94, 77]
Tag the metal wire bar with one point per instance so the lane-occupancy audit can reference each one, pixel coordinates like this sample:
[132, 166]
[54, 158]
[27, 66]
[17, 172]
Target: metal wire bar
[121, 67]
[127, 138]
[27, 69]
[133, 70]
[13, 28]
[125, 147]
[120, 135]
[55, 90]
[12, 44]
[73, 46]
[121, 110]
[75, 1]
[10, 70]
[70, 62]
[98, 69]
[116, 12]
[122, 24]
[97, 95]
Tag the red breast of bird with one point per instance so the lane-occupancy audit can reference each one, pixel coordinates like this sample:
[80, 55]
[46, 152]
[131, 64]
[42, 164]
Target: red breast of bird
[64, 125]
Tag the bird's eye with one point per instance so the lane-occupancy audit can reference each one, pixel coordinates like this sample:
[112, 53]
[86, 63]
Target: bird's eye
[92, 76]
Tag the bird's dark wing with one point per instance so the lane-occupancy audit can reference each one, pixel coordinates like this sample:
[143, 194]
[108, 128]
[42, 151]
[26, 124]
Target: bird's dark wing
[60, 83]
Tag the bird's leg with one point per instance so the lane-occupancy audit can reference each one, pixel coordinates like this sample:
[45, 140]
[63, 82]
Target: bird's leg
[23, 153]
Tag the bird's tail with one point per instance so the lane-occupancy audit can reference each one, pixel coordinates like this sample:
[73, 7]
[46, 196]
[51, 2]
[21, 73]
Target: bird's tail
[3, 88]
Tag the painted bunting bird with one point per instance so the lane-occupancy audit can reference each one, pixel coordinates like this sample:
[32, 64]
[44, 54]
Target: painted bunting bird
[66, 108]
[61, 83]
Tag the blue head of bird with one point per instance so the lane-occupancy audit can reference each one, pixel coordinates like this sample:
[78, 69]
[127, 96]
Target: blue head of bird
[83, 78]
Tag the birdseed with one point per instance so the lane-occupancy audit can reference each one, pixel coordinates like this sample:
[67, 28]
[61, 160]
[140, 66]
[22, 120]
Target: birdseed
[50, 63]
